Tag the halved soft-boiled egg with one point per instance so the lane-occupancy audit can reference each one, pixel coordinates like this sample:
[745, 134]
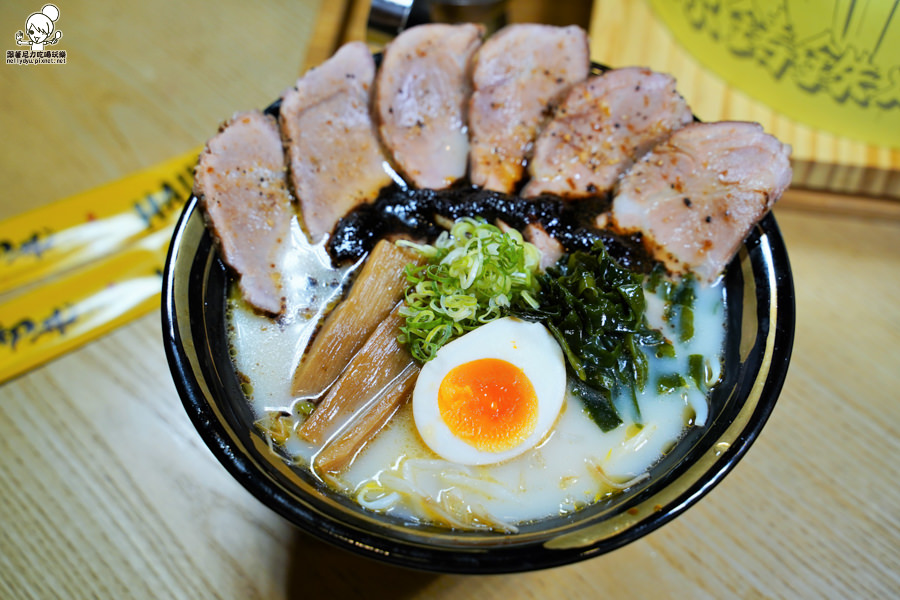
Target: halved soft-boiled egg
[491, 394]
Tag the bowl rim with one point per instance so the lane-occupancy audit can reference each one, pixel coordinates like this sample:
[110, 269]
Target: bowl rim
[501, 558]
[770, 251]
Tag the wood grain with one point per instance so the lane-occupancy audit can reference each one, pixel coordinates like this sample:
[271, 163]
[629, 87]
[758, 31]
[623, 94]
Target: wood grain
[107, 491]
[627, 32]
[142, 83]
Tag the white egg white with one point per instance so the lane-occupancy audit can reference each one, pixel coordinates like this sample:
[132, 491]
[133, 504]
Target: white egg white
[528, 346]
[557, 476]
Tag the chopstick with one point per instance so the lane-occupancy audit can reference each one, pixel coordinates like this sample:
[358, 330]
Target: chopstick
[66, 312]
[75, 269]
[44, 243]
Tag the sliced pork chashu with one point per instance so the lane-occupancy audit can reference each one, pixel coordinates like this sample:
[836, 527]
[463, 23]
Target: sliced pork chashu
[604, 125]
[519, 73]
[334, 154]
[696, 196]
[422, 92]
[240, 180]
[551, 249]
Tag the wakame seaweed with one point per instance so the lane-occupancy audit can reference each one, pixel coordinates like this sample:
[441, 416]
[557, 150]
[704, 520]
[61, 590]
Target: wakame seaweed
[697, 370]
[667, 384]
[595, 309]
[598, 404]
[679, 302]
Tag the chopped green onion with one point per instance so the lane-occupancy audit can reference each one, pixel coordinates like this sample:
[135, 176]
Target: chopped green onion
[475, 273]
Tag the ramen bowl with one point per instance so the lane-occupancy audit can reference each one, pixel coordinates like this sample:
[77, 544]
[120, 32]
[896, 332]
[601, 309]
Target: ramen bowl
[759, 305]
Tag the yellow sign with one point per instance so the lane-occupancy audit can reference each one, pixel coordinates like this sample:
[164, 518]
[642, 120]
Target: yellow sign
[832, 64]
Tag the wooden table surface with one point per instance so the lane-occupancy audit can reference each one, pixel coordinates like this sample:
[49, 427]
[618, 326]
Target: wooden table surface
[106, 490]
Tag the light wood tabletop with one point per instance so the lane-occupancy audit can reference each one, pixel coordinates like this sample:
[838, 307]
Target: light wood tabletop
[107, 491]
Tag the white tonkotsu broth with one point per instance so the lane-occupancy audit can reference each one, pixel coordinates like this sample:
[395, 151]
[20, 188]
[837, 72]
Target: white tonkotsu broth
[572, 467]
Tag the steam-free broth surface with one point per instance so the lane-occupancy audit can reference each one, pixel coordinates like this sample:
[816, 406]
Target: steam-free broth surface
[573, 466]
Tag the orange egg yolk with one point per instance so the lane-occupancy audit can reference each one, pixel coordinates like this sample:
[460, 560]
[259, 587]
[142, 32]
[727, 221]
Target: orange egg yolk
[488, 403]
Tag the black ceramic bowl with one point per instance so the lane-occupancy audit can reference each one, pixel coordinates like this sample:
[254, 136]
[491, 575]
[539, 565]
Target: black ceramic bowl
[760, 326]
[760, 331]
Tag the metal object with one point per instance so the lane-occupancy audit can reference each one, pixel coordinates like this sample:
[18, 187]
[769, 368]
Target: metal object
[387, 18]
[490, 13]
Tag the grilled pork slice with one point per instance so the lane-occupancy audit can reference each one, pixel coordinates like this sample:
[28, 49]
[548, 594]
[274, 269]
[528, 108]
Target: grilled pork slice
[534, 233]
[340, 453]
[334, 154]
[378, 287]
[519, 73]
[551, 249]
[240, 180]
[422, 89]
[696, 196]
[373, 369]
[602, 127]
